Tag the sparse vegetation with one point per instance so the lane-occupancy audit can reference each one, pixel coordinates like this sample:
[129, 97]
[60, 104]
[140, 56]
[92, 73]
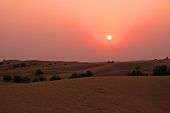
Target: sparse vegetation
[35, 80]
[82, 75]
[55, 77]
[111, 61]
[22, 79]
[16, 65]
[161, 70]
[42, 78]
[19, 65]
[136, 72]
[39, 72]
[1, 63]
[74, 75]
[23, 65]
[87, 74]
[7, 78]
[39, 75]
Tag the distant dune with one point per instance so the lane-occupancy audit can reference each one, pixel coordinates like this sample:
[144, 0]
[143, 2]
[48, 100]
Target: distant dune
[89, 95]
[65, 69]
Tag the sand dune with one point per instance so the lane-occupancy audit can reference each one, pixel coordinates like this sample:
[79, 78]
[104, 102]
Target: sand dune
[65, 69]
[89, 95]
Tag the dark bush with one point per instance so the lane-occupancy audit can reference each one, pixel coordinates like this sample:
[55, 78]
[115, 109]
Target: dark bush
[42, 78]
[89, 73]
[16, 65]
[23, 65]
[7, 78]
[160, 70]
[39, 72]
[74, 75]
[86, 74]
[83, 74]
[17, 79]
[36, 80]
[55, 77]
[110, 61]
[26, 80]
[1, 63]
[22, 79]
[136, 72]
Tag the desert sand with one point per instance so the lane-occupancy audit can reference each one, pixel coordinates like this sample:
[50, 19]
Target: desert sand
[123, 94]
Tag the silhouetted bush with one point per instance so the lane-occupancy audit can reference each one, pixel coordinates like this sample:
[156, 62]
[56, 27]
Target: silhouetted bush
[39, 72]
[136, 72]
[23, 65]
[7, 78]
[1, 63]
[89, 74]
[82, 75]
[55, 77]
[16, 65]
[43, 78]
[160, 70]
[74, 75]
[36, 80]
[22, 79]
[86, 74]
[111, 62]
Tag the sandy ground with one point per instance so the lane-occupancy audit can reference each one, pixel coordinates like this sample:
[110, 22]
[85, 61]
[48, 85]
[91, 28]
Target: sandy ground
[89, 95]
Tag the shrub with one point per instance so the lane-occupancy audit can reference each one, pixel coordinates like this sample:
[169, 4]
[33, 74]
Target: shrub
[89, 73]
[7, 78]
[36, 80]
[1, 63]
[74, 75]
[110, 61]
[86, 74]
[22, 79]
[136, 72]
[26, 80]
[42, 78]
[39, 72]
[160, 70]
[16, 66]
[55, 77]
[23, 65]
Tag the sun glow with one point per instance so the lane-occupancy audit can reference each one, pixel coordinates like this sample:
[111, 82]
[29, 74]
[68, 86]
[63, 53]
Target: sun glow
[109, 37]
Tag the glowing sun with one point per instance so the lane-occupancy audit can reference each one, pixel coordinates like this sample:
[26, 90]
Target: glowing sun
[109, 37]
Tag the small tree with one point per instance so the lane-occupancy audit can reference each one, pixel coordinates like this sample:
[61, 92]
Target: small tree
[55, 77]
[7, 78]
[136, 72]
[160, 70]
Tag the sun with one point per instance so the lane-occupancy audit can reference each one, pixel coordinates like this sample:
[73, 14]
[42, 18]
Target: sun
[109, 37]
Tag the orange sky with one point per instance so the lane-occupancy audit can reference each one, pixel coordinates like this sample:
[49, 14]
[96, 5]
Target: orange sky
[76, 29]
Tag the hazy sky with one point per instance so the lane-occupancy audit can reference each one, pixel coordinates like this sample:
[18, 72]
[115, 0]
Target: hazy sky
[76, 29]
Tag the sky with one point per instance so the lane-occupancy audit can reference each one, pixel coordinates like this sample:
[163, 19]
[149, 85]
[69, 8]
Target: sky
[76, 30]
